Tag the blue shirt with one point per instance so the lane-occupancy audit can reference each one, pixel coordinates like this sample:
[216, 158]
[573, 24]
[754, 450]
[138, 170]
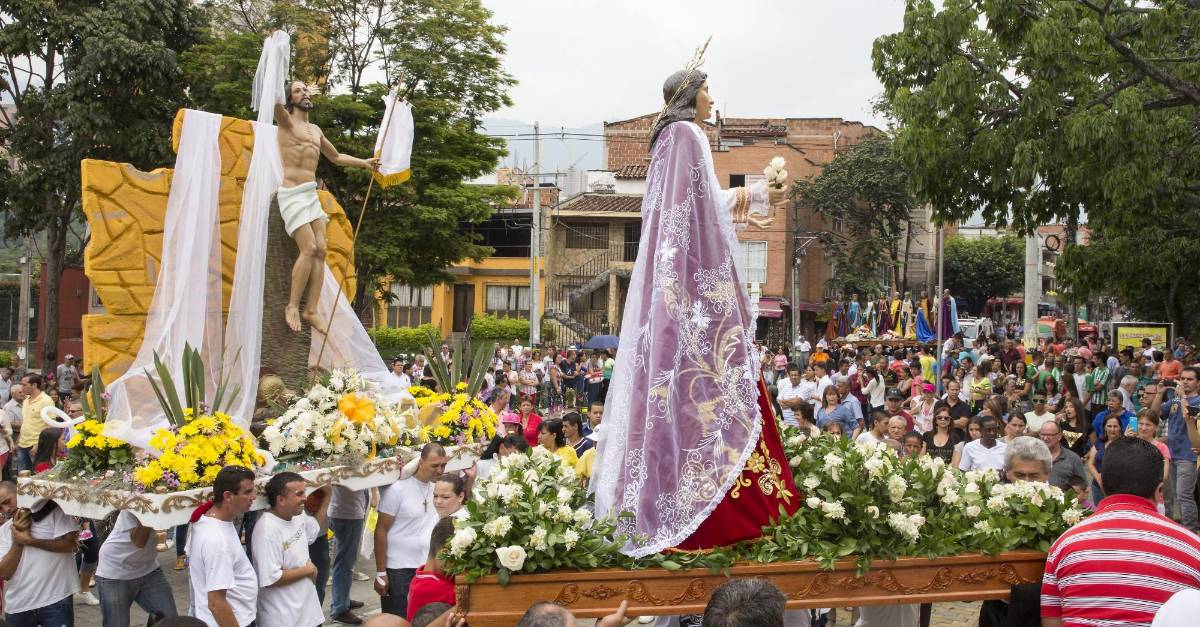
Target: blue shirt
[854, 406]
[1098, 422]
[1177, 437]
[841, 414]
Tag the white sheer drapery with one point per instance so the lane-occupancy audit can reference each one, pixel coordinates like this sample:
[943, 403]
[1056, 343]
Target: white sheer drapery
[186, 306]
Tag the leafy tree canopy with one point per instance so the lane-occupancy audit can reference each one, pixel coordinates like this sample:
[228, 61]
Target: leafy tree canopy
[865, 191]
[982, 268]
[1030, 110]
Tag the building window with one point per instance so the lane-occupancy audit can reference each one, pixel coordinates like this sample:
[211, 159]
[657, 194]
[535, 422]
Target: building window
[587, 236]
[737, 180]
[409, 306]
[837, 225]
[754, 261]
[508, 300]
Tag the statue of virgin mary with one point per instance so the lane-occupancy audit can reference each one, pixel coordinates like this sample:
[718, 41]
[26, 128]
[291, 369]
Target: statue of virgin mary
[691, 448]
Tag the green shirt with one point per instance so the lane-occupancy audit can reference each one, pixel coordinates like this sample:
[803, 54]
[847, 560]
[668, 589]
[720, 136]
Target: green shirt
[608, 367]
[1099, 377]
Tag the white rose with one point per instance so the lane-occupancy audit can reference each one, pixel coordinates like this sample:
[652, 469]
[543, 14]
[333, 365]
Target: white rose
[511, 557]
[873, 511]
[813, 502]
[997, 502]
[769, 172]
[462, 540]
[811, 483]
[781, 177]
[778, 163]
[972, 488]
[950, 498]
[973, 511]
[983, 526]
[565, 494]
[508, 492]
[582, 516]
[796, 461]
[834, 510]
[564, 514]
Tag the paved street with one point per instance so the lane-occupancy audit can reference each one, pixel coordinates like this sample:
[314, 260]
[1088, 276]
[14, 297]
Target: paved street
[944, 614]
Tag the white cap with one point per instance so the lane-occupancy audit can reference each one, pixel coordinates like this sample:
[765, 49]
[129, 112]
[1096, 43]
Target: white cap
[595, 435]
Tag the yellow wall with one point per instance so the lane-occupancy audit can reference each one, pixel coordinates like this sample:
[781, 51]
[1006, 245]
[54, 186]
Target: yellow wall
[479, 275]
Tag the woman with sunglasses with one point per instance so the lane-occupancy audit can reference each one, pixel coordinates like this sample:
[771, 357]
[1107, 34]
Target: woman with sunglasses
[942, 438]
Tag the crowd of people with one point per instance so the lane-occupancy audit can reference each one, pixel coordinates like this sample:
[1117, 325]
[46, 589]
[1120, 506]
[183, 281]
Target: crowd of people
[1082, 417]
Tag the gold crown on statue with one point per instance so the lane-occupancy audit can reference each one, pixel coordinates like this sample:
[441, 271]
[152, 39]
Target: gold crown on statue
[694, 64]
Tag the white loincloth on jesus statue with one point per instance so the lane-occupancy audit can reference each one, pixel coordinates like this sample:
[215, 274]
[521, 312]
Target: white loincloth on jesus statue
[299, 205]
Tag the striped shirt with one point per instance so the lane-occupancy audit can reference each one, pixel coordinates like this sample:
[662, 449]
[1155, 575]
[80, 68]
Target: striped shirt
[1119, 566]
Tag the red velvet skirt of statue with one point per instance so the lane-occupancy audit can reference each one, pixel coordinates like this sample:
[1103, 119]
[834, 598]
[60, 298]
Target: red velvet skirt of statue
[764, 487]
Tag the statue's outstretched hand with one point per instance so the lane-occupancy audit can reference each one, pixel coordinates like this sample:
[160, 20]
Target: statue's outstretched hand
[761, 223]
[777, 195]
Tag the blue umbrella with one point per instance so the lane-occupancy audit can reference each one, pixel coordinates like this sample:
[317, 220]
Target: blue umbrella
[602, 342]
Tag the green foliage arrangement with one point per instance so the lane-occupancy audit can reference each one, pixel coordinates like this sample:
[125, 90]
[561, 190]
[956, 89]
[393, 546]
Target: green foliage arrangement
[408, 340]
[858, 501]
[490, 327]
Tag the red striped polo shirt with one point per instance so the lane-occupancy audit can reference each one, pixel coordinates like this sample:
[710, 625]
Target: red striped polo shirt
[1119, 565]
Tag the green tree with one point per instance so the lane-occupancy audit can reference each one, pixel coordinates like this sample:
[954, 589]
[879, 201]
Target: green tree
[1038, 111]
[865, 190]
[84, 79]
[1151, 272]
[982, 268]
[1030, 110]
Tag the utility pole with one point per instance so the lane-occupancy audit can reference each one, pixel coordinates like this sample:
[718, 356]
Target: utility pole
[937, 301]
[1033, 288]
[23, 304]
[535, 245]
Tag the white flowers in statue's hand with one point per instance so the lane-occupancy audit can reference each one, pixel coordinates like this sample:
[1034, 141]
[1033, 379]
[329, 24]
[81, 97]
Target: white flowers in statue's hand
[775, 173]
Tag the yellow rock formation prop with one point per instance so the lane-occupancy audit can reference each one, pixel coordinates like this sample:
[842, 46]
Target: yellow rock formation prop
[125, 208]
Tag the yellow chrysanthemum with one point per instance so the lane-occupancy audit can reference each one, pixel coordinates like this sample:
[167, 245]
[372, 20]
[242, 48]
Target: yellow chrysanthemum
[149, 474]
[75, 440]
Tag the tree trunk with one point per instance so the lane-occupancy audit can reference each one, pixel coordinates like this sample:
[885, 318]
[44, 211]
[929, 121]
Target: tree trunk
[56, 249]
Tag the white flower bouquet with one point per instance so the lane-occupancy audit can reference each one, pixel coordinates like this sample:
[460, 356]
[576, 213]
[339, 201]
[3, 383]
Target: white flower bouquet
[341, 415]
[530, 514]
[775, 173]
[864, 500]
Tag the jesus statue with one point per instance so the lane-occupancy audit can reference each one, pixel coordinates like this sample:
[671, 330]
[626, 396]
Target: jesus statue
[691, 447]
[300, 145]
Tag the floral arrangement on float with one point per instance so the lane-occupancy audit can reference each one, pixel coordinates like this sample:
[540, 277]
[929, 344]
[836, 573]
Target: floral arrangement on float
[91, 453]
[200, 439]
[342, 415]
[530, 514]
[857, 501]
[457, 418]
[863, 500]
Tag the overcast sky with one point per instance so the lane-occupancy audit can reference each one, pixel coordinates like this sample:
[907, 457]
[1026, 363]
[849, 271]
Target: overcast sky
[579, 62]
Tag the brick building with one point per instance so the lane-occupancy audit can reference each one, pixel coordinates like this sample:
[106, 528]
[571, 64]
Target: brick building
[741, 148]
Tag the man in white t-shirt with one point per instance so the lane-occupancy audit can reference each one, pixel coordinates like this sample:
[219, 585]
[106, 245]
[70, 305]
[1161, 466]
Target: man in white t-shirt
[792, 394]
[288, 597]
[128, 573]
[987, 451]
[1039, 416]
[223, 584]
[821, 372]
[37, 564]
[805, 349]
[406, 519]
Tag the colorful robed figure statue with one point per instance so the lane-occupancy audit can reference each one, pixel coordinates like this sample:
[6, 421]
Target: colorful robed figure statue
[852, 313]
[691, 449]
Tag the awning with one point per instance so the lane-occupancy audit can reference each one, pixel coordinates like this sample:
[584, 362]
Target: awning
[813, 307]
[770, 307]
